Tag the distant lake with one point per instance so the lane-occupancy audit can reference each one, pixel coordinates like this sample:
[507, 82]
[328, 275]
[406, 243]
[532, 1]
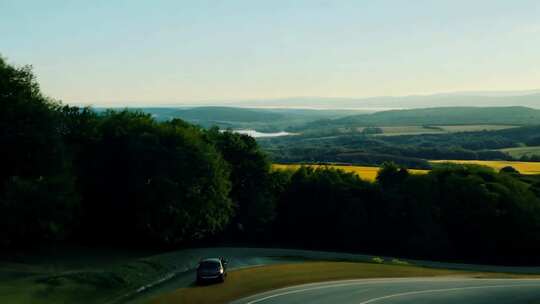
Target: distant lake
[257, 134]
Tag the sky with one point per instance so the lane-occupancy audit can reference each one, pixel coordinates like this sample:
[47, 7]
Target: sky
[155, 52]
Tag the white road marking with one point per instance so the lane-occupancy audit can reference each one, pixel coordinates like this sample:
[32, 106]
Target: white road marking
[397, 281]
[302, 290]
[441, 290]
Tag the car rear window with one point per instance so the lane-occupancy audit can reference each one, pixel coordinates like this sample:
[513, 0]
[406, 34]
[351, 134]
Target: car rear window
[209, 265]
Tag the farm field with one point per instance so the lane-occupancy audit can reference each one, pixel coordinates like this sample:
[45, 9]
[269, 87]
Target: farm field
[474, 128]
[370, 173]
[436, 129]
[408, 130]
[522, 167]
[367, 173]
[522, 151]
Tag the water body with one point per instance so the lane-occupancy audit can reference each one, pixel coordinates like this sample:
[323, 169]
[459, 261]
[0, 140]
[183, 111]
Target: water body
[257, 134]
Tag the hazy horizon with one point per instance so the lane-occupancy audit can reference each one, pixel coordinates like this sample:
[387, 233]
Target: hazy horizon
[378, 103]
[152, 53]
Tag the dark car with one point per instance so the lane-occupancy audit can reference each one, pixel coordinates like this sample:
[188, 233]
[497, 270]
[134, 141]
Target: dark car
[212, 270]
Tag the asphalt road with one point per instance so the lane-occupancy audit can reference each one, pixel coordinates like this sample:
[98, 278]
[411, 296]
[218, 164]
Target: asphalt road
[407, 290]
[185, 261]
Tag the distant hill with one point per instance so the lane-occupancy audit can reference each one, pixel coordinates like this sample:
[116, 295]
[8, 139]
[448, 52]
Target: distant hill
[437, 116]
[459, 99]
[228, 114]
[263, 120]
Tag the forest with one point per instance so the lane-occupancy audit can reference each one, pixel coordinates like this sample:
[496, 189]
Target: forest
[74, 175]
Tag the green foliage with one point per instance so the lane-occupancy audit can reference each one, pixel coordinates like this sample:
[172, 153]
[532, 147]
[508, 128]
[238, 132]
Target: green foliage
[136, 179]
[510, 170]
[37, 199]
[391, 174]
[36, 209]
[252, 183]
[454, 212]
[159, 180]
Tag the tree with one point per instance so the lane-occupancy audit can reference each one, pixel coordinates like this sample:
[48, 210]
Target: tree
[391, 174]
[162, 182]
[252, 182]
[37, 199]
[509, 170]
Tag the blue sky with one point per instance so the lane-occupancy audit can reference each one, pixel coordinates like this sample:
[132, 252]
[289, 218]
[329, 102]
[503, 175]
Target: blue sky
[152, 52]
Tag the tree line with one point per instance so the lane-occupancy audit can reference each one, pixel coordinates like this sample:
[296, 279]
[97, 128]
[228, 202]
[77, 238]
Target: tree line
[71, 174]
[455, 212]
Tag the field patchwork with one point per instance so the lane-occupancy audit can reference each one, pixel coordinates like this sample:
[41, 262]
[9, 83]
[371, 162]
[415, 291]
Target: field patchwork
[437, 129]
[370, 173]
[522, 151]
[364, 172]
[522, 167]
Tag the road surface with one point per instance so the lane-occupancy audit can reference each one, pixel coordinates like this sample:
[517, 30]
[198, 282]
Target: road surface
[184, 262]
[406, 291]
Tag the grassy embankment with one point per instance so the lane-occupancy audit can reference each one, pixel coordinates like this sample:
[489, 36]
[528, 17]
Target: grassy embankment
[82, 276]
[244, 282]
[370, 173]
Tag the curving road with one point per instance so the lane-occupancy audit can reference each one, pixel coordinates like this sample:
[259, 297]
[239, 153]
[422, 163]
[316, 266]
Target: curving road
[406, 291]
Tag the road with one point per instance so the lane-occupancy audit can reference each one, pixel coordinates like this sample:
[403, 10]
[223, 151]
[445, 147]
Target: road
[183, 263]
[406, 291]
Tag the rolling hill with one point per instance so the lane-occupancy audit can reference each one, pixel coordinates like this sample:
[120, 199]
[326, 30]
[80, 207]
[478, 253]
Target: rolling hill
[437, 116]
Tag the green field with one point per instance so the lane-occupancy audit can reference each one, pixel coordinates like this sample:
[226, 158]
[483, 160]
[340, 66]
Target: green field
[249, 281]
[438, 129]
[522, 151]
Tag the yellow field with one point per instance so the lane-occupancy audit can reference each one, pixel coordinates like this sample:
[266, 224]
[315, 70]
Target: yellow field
[522, 167]
[367, 173]
[370, 173]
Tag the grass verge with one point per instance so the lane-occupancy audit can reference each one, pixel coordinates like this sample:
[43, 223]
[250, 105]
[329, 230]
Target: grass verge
[244, 282]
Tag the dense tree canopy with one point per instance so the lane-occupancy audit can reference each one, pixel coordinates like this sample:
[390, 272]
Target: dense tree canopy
[252, 190]
[119, 176]
[160, 180]
[37, 200]
[455, 211]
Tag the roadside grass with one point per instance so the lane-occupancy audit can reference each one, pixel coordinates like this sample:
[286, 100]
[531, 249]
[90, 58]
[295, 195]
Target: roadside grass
[77, 286]
[76, 277]
[249, 281]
